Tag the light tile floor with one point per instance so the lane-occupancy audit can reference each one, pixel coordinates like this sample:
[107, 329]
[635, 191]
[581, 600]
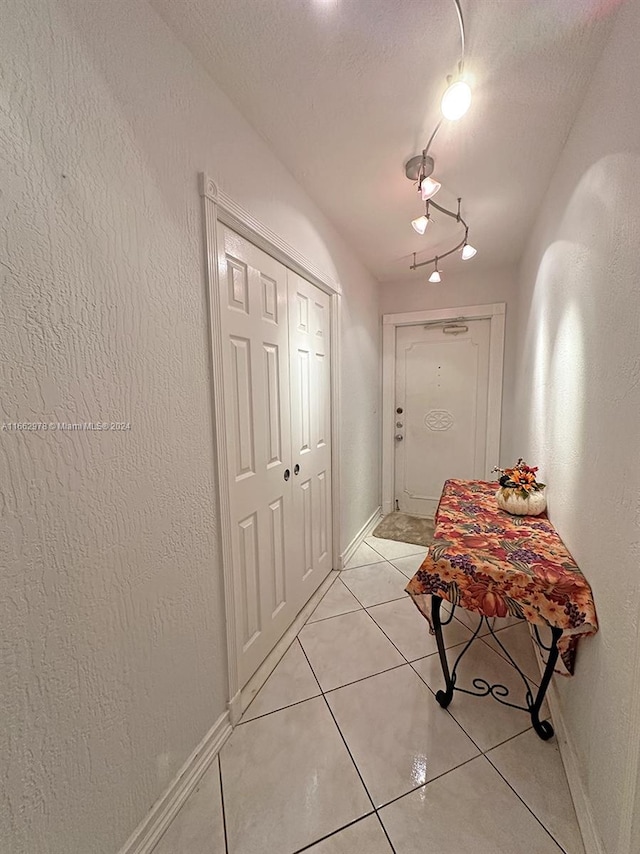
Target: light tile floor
[345, 749]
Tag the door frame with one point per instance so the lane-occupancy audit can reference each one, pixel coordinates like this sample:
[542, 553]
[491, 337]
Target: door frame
[495, 313]
[221, 209]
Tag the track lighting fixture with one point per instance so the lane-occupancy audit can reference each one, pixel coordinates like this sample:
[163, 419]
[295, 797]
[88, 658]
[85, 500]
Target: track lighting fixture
[455, 103]
[468, 252]
[435, 276]
[456, 100]
[428, 188]
[420, 224]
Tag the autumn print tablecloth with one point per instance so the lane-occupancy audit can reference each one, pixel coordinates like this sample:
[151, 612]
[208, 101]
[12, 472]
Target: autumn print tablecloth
[486, 560]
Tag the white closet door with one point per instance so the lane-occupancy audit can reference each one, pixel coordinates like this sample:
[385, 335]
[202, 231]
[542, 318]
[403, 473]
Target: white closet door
[275, 334]
[255, 332]
[309, 347]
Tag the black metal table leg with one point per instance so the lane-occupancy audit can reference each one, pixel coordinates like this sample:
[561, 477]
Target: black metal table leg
[498, 691]
[443, 697]
[544, 728]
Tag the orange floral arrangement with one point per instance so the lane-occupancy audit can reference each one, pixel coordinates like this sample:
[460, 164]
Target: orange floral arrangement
[521, 478]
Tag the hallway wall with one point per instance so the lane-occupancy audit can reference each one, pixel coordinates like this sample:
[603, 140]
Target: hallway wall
[469, 286]
[578, 416]
[112, 627]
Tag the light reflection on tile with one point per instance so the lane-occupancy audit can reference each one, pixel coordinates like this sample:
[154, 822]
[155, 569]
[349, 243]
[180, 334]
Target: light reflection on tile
[486, 720]
[288, 780]
[470, 810]
[397, 733]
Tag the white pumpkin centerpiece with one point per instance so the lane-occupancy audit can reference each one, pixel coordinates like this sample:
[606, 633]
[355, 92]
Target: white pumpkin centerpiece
[520, 493]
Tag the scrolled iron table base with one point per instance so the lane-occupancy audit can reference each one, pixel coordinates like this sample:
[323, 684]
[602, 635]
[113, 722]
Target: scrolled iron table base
[498, 691]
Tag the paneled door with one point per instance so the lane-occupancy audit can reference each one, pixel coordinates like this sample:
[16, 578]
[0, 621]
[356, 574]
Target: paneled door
[442, 381]
[309, 330]
[277, 517]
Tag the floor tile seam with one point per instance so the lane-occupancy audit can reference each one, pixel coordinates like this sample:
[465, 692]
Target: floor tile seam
[482, 750]
[504, 657]
[224, 813]
[333, 833]
[428, 783]
[453, 718]
[521, 799]
[371, 617]
[347, 748]
[399, 557]
[270, 674]
[311, 622]
[371, 563]
[408, 660]
[385, 831]
[364, 678]
[470, 642]
[506, 741]
[304, 652]
[370, 606]
[281, 708]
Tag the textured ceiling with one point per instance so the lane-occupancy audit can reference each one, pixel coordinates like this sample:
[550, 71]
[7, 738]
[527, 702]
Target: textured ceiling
[345, 91]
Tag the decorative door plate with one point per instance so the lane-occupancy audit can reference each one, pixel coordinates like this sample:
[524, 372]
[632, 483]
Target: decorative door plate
[439, 419]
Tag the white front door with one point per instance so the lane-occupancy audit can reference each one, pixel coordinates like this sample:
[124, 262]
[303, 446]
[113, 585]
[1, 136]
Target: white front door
[280, 520]
[442, 380]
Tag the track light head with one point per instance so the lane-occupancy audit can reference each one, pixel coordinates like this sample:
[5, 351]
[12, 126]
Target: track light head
[435, 276]
[456, 100]
[420, 224]
[428, 188]
[468, 251]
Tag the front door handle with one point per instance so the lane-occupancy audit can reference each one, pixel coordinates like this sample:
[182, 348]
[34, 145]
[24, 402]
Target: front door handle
[287, 474]
[296, 469]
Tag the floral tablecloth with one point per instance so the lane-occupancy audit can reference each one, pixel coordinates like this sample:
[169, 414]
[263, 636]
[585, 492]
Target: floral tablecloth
[486, 560]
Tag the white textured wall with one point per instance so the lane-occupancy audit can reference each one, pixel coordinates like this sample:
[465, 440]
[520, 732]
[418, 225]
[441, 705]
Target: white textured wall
[469, 286]
[578, 405]
[112, 620]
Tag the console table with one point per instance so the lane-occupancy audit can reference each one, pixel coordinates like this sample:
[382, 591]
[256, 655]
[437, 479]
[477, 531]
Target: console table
[485, 560]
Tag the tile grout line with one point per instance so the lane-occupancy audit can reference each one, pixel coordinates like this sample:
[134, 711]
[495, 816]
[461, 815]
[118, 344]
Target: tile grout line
[224, 813]
[376, 809]
[384, 830]
[540, 822]
[333, 833]
[455, 720]
[428, 782]
[344, 741]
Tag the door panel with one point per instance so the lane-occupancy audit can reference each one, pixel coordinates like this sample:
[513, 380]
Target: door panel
[255, 332]
[275, 332]
[442, 387]
[310, 424]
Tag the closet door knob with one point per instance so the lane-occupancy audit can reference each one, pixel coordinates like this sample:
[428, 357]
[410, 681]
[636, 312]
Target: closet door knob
[287, 474]
[296, 469]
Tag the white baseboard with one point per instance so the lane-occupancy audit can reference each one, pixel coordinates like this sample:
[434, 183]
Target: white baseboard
[147, 834]
[590, 836]
[364, 532]
[271, 661]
